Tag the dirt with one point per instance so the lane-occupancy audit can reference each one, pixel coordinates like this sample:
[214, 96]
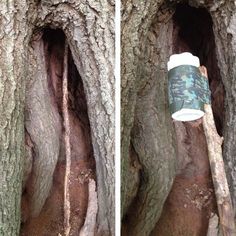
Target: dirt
[187, 209]
[191, 201]
[50, 220]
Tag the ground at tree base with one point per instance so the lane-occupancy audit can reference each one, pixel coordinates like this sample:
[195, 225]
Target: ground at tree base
[50, 220]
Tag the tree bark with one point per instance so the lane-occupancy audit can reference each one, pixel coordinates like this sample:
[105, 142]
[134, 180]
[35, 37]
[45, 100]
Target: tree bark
[13, 75]
[130, 52]
[225, 34]
[151, 131]
[146, 45]
[89, 30]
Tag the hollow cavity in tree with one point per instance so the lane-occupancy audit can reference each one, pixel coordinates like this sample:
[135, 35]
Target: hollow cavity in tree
[193, 32]
[46, 88]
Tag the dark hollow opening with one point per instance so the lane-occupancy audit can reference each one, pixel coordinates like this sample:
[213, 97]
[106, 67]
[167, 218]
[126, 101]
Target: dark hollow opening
[193, 32]
[54, 46]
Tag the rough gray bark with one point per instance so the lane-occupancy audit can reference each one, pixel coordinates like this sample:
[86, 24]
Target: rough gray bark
[152, 131]
[13, 73]
[89, 28]
[224, 19]
[92, 46]
[140, 85]
[152, 135]
[136, 19]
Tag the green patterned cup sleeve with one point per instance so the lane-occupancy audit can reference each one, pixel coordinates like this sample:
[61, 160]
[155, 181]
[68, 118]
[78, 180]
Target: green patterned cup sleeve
[187, 88]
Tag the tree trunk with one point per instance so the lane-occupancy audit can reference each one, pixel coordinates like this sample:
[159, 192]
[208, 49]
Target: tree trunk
[145, 118]
[13, 72]
[89, 30]
[149, 36]
[225, 36]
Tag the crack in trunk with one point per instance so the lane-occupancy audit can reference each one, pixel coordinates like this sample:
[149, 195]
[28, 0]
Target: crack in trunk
[56, 87]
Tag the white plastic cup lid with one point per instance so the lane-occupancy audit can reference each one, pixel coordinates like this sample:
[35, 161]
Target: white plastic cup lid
[187, 114]
[185, 58]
